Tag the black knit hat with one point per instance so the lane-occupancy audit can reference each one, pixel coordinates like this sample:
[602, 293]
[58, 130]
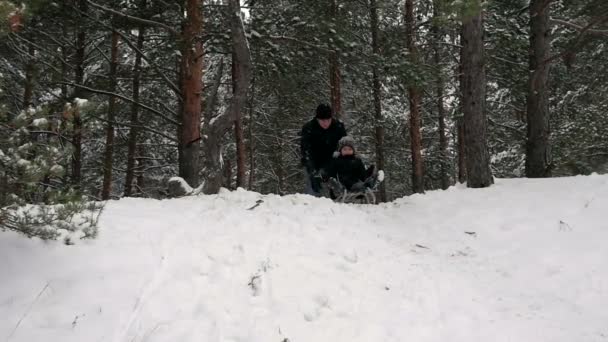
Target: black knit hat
[323, 111]
[346, 141]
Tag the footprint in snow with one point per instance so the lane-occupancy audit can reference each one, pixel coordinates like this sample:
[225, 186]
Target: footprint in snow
[319, 303]
[351, 257]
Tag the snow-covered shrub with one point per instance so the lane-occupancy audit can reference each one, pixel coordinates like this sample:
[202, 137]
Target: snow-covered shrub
[34, 197]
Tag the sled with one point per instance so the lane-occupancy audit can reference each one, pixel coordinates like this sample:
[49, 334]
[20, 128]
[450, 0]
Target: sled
[363, 196]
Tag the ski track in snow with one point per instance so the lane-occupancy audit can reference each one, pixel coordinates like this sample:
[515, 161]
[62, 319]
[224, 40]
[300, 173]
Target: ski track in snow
[521, 261]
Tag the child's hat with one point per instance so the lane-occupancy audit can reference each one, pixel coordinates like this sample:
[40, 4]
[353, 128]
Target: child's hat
[346, 141]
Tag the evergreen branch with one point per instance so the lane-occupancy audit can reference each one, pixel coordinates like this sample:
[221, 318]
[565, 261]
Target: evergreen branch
[145, 128]
[126, 39]
[124, 98]
[577, 41]
[579, 27]
[298, 41]
[152, 64]
[135, 19]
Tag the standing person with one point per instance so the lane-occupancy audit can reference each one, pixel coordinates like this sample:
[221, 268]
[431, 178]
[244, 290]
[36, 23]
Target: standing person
[319, 140]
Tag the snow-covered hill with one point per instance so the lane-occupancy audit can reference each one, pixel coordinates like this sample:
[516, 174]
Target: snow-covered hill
[525, 260]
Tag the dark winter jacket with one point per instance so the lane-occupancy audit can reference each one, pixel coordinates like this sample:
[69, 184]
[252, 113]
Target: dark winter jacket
[348, 170]
[317, 145]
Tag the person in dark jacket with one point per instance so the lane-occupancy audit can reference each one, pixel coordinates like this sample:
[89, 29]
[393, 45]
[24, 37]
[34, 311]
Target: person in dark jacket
[347, 168]
[319, 140]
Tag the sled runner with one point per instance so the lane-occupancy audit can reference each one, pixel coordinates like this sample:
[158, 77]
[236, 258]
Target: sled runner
[363, 193]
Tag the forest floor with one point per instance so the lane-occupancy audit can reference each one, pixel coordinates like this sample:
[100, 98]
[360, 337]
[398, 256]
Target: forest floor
[524, 260]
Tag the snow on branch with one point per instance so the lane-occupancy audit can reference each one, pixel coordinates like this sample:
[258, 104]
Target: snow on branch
[579, 27]
[135, 19]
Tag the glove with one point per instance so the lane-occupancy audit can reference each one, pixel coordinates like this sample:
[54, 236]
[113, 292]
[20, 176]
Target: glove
[324, 175]
[308, 166]
[315, 183]
[359, 186]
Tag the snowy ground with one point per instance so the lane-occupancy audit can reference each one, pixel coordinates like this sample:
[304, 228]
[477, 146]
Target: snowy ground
[525, 260]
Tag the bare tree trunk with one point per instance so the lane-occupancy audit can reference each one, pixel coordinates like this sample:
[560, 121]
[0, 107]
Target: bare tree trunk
[191, 82]
[462, 158]
[414, 99]
[474, 91]
[238, 132]
[63, 111]
[443, 141]
[140, 170]
[334, 68]
[280, 167]
[134, 130]
[79, 80]
[537, 144]
[221, 124]
[30, 72]
[251, 139]
[377, 92]
[109, 152]
[227, 174]
[462, 153]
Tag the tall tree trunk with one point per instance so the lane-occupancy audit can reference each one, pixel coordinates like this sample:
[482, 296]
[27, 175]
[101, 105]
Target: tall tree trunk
[377, 92]
[63, 112]
[238, 131]
[474, 91]
[227, 174]
[30, 72]
[462, 158]
[109, 152]
[334, 66]
[251, 139]
[537, 144]
[79, 80]
[414, 100]
[221, 124]
[140, 170]
[462, 153]
[443, 141]
[191, 82]
[134, 131]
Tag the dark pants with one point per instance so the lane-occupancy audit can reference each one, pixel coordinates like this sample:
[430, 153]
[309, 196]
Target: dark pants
[313, 185]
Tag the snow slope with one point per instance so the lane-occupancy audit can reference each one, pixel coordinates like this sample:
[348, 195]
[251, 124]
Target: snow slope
[525, 260]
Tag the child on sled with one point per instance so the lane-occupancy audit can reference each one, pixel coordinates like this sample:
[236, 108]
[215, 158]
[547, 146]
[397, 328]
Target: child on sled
[347, 173]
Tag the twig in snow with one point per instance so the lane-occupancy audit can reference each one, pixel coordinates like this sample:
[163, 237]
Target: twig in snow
[76, 320]
[257, 203]
[27, 311]
[421, 246]
[563, 226]
[471, 233]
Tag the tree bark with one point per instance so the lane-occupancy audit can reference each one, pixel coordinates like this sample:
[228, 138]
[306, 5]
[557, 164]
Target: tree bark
[79, 80]
[106, 188]
[134, 130]
[443, 141]
[335, 77]
[191, 83]
[462, 158]
[30, 74]
[474, 88]
[537, 144]
[109, 152]
[414, 101]
[238, 132]
[227, 174]
[251, 139]
[222, 123]
[377, 93]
